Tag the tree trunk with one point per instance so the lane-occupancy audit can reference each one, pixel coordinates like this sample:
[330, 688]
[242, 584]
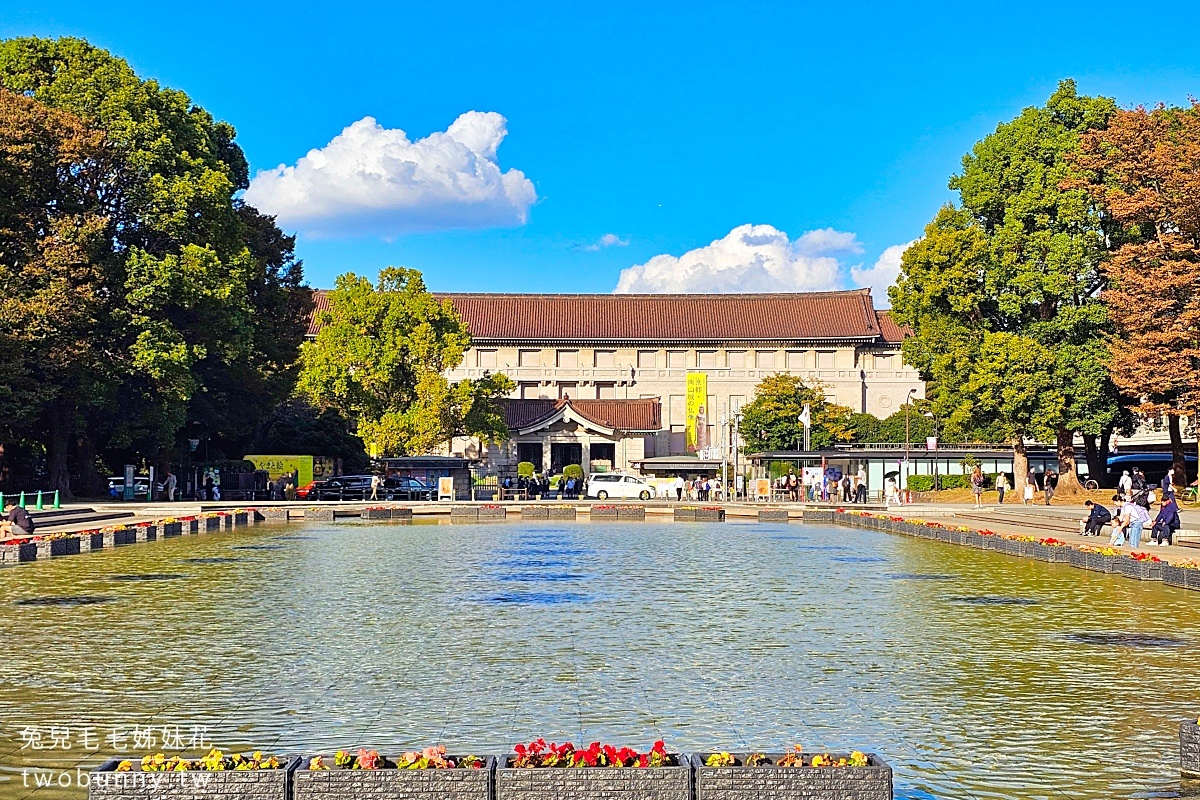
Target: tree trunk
[1095, 465]
[1178, 459]
[61, 423]
[1020, 467]
[88, 481]
[1068, 479]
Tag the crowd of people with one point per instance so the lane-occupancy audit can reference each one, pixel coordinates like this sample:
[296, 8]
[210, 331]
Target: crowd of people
[702, 489]
[1133, 503]
[831, 486]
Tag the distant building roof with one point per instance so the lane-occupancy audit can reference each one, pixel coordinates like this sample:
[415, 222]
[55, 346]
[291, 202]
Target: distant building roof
[891, 332]
[643, 414]
[789, 316]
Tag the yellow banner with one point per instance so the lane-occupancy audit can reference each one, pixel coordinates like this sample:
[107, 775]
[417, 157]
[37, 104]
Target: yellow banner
[277, 466]
[697, 414]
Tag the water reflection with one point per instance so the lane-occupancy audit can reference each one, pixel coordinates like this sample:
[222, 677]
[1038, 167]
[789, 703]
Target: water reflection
[707, 635]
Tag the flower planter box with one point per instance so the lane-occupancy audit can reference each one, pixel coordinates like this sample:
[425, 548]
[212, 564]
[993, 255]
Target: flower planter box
[54, 548]
[402, 514]
[561, 512]
[172, 529]
[535, 512]
[588, 783]
[606, 514]
[119, 538]
[1100, 563]
[772, 515]
[492, 512]
[872, 782]
[316, 514]
[377, 514]
[1055, 554]
[990, 542]
[145, 533]
[1141, 570]
[1181, 577]
[91, 540]
[710, 515]
[228, 522]
[275, 513]
[239, 519]
[972, 539]
[1078, 559]
[464, 513]
[191, 527]
[942, 535]
[258, 784]
[685, 514]
[393, 784]
[1189, 745]
[818, 517]
[16, 553]
[637, 514]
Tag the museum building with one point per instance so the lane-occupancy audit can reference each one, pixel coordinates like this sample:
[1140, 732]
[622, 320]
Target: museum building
[602, 378]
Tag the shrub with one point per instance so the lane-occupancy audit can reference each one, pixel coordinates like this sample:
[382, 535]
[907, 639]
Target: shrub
[573, 471]
[525, 469]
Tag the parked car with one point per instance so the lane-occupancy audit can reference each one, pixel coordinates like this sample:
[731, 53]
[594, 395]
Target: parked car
[343, 487]
[116, 487]
[618, 485]
[407, 488]
[304, 491]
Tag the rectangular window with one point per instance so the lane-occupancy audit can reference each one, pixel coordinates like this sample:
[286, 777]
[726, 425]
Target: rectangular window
[606, 391]
[606, 359]
[706, 359]
[736, 401]
[530, 391]
[883, 361]
[529, 358]
[568, 390]
[764, 359]
[677, 410]
[485, 358]
[567, 359]
[795, 359]
[736, 359]
[825, 359]
[677, 359]
[647, 359]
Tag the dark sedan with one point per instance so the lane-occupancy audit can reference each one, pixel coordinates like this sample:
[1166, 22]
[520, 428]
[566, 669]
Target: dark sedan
[343, 487]
[407, 489]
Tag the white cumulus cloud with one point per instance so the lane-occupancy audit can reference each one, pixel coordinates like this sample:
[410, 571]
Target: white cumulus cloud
[751, 258]
[882, 274]
[607, 240]
[373, 180]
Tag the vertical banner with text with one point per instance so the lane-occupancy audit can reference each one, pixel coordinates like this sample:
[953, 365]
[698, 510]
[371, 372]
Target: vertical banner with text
[697, 414]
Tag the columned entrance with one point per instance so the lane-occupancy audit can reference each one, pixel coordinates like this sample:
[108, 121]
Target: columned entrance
[531, 452]
[562, 454]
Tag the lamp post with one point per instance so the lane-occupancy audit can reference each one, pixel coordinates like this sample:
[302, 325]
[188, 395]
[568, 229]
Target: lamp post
[907, 435]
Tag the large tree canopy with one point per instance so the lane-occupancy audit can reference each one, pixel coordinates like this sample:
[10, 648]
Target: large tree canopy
[192, 303]
[381, 355]
[1003, 290]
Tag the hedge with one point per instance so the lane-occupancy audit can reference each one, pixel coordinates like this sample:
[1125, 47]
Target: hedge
[573, 471]
[525, 469]
[924, 483]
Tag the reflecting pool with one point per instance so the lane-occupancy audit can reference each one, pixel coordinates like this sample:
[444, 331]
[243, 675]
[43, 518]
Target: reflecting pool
[976, 675]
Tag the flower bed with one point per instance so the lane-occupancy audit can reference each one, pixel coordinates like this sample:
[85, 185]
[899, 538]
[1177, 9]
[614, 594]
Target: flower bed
[145, 532]
[817, 517]
[1052, 550]
[318, 514]
[541, 771]
[376, 513]
[603, 512]
[772, 515]
[821, 776]
[492, 511]
[275, 514]
[464, 513]
[366, 775]
[240, 518]
[190, 525]
[170, 527]
[631, 513]
[1189, 748]
[1182, 574]
[16, 552]
[118, 535]
[214, 777]
[90, 540]
[1101, 559]
[55, 545]
[1142, 567]
[561, 511]
[685, 513]
[535, 512]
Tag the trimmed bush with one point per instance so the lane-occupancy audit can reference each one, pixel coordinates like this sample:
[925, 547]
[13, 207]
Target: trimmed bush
[525, 469]
[573, 471]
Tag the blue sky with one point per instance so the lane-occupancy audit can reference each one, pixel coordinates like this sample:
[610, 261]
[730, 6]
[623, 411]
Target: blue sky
[665, 126]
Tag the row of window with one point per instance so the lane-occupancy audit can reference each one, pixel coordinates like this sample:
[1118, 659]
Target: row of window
[678, 359]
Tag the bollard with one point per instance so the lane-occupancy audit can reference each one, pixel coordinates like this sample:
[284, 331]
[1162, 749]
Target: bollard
[21, 502]
[57, 504]
[38, 505]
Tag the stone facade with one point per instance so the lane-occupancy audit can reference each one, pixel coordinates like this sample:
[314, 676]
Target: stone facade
[1189, 749]
[394, 784]
[873, 782]
[264, 784]
[595, 783]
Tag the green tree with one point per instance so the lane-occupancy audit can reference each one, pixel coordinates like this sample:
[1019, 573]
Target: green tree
[772, 420]
[201, 310]
[1020, 255]
[381, 355]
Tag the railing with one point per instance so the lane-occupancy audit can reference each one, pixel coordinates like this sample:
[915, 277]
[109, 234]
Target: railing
[919, 447]
[39, 504]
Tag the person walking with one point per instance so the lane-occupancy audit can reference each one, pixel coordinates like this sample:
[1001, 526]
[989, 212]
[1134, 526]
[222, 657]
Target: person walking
[1166, 523]
[1098, 516]
[846, 488]
[1031, 485]
[862, 484]
[678, 487]
[1125, 485]
[375, 485]
[1049, 484]
[977, 485]
[169, 485]
[1001, 486]
[1168, 485]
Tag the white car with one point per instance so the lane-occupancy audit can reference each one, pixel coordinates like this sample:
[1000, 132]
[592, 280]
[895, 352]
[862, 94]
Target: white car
[617, 485]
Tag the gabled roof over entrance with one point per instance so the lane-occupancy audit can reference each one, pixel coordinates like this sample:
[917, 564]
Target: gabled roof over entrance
[601, 416]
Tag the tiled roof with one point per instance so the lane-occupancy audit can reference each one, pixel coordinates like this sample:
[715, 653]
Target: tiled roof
[792, 316]
[320, 300]
[627, 415]
[892, 332]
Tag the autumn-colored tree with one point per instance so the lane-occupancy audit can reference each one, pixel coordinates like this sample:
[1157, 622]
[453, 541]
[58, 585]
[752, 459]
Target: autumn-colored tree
[1145, 171]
